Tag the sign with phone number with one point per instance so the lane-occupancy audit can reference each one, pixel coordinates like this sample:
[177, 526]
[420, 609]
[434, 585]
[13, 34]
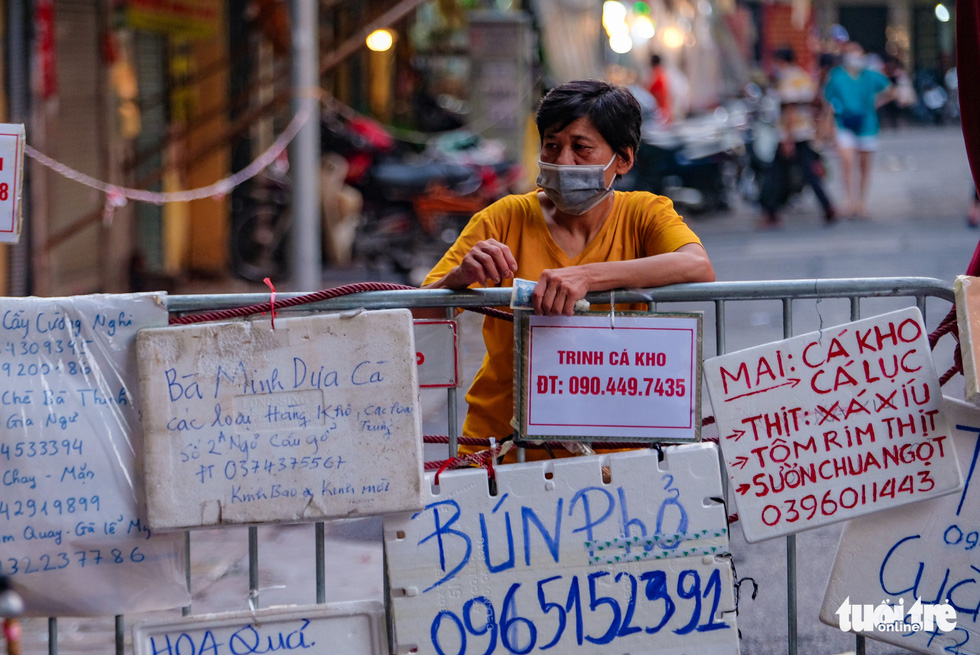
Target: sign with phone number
[563, 559]
[634, 376]
[11, 178]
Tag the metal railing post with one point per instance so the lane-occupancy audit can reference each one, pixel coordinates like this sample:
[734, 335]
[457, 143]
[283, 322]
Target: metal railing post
[792, 609]
[253, 567]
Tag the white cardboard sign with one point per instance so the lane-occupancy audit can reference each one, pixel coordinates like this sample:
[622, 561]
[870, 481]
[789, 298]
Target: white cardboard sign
[831, 425]
[967, 290]
[11, 181]
[928, 551]
[73, 533]
[560, 559]
[315, 418]
[631, 377]
[436, 347]
[351, 628]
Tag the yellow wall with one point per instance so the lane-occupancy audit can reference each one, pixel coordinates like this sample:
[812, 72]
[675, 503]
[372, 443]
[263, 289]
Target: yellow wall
[208, 219]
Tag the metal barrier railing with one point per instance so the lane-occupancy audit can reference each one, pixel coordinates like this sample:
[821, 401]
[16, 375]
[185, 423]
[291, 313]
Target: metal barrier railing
[712, 298]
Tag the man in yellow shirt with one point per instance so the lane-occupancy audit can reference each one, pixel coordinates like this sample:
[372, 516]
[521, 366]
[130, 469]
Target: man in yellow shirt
[574, 234]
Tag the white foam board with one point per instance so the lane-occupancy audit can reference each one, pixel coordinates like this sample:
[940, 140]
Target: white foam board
[928, 551]
[316, 418]
[832, 424]
[561, 558]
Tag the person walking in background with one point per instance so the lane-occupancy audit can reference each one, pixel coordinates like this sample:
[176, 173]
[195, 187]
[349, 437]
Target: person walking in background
[854, 92]
[796, 92]
[892, 112]
[660, 88]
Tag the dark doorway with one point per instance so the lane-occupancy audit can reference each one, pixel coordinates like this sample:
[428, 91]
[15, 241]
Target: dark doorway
[866, 25]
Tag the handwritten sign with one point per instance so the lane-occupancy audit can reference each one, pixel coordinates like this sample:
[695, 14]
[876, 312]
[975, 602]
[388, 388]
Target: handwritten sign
[352, 628]
[73, 536]
[967, 290]
[561, 559]
[635, 378]
[11, 181]
[436, 347]
[926, 551]
[832, 424]
[317, 418]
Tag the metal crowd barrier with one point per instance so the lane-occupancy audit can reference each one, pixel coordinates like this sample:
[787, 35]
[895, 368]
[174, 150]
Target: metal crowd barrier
[714, 299]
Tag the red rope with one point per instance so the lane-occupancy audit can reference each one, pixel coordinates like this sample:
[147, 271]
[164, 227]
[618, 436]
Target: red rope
[272, 302]
[317, 296]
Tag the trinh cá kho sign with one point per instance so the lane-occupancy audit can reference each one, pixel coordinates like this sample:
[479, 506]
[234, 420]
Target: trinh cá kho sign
[831, 425]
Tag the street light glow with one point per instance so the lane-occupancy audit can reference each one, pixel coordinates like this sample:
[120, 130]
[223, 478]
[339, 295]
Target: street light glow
[620, 43]
[673, 37]
[613, 14]
[942, 13]
[643, 27]
[379, 40]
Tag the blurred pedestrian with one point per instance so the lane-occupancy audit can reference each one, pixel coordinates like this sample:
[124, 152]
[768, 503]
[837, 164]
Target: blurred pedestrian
[854, 92]
[892, 112]
[660, 88]
[795, 90]
[823, 115]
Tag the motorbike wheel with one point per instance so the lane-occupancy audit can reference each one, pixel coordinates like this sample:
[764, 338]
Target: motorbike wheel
[385, 242]
[259, 243]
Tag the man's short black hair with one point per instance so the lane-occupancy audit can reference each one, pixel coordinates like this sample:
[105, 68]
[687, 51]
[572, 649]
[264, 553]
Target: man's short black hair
[612, 109]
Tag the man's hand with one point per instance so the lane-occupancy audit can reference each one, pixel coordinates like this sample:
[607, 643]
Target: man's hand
[558, 289]
[487, 261]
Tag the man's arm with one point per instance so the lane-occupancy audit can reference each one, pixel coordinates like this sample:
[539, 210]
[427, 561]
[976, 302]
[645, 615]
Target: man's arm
[487, 261]
[559, 288]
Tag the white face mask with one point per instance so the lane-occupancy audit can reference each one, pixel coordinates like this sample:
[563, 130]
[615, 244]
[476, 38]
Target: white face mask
[854, 61]
[575, 189]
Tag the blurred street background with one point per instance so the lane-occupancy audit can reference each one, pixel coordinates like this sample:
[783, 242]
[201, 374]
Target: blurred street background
[918, 228]
[378, 127]
[176, 143]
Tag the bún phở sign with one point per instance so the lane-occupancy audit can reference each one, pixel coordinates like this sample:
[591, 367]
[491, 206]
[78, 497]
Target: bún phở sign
[561, 558]
[831, 425]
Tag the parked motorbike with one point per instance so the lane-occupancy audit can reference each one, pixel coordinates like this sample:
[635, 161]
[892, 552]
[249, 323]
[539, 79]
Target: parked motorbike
[693, 162]
[412, 203]
[260, 224]
[416, 202]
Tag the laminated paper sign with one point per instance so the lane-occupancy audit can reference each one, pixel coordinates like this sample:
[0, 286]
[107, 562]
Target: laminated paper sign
[72, 527]
[599, 377]
[831, 425]
[926, 552]
[561, 559]
[314, 418]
